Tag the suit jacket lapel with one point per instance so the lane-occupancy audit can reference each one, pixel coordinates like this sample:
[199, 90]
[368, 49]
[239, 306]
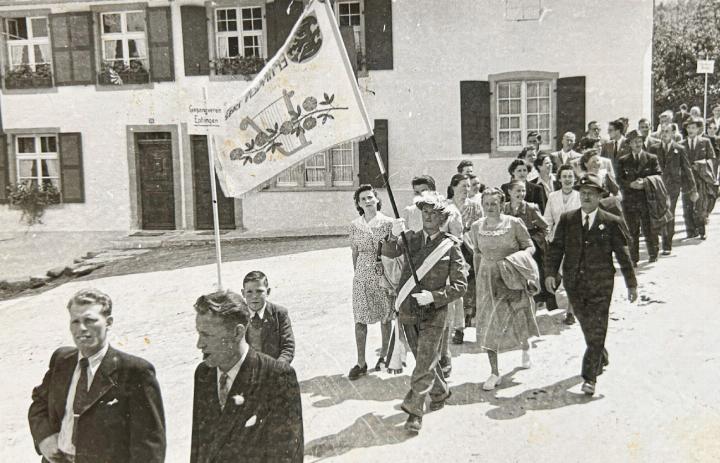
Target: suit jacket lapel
[65, 368]
[232, 412]
[104, 378]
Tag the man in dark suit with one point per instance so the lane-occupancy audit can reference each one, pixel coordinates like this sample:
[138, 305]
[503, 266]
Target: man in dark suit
[617, 146]
[698, 148]
[423, 310]
[270, 330]
[633, 170]
[246, 405]
[97, 404]
[677, 176]
[681, 117]
[584, 242]
[567, 155]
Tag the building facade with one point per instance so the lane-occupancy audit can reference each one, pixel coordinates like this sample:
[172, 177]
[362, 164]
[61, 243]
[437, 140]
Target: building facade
[96, 98]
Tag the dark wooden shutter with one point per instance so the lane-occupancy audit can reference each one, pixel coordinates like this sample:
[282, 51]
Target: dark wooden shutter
[159, 21]
[348, 37]
[73, 48]
[475, 116]
[378, 35]
[72, 183]
[4, 171]
[369, 169]
[195, 40]
[570, 107]
[279, 23]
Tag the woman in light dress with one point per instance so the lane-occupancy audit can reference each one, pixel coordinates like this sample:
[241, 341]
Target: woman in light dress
[371, 302]
[506, 280]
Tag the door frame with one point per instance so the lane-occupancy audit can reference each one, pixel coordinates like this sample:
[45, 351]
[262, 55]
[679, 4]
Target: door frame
[189, 180]
[134, 172]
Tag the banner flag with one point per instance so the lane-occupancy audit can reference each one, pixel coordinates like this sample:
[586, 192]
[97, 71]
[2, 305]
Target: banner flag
[304, 101]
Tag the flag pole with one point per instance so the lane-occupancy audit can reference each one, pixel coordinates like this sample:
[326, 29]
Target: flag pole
[386, 179]
[213, 191]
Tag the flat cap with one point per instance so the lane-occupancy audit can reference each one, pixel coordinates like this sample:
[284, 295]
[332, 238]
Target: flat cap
[590, 181]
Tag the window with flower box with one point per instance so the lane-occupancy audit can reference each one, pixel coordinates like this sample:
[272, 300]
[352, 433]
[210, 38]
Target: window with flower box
[123, 41]
[350, 13]
[37, 160]
[29, 57]
[332, 168]
[239, 40]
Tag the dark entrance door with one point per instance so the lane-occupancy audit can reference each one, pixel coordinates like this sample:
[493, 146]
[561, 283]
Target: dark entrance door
[157, 195]
[203, 195]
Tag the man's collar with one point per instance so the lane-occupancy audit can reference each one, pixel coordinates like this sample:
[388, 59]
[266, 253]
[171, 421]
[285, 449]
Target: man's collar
[591, 214]
[260, 313]
[233, 372]
[432, 237]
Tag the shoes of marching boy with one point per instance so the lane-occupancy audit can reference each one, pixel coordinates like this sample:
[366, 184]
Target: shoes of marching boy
[413, 424]
[492, 382]
[458, 337]
[588, 388]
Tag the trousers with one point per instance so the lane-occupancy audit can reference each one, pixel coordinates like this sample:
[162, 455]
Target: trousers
[427, 377]
[592, 310]
[636, 219]
[668, 230]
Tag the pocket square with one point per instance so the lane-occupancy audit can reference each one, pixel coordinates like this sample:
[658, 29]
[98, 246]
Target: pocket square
[112, 402]
[251, 421]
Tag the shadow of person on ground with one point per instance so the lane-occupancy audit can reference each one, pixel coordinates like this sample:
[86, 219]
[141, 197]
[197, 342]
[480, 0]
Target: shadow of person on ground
[550, 397]
[369, 430]
[338, 388]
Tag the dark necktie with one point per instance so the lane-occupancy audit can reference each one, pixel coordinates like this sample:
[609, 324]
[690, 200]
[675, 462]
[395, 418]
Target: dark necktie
[586, 225]
[428, 240]
[81, 394]
[224, 389]
[615, 149]
[254, 334]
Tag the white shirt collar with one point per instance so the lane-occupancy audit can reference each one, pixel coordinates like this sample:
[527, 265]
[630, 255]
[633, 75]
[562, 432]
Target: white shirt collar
[432, 237]
[232, 372]
[261, 312]
[591, 216]
[95, 360]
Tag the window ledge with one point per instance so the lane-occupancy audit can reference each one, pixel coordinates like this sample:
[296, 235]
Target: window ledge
[123, 87]
[231, 77]
[29, 91]
[294, 189]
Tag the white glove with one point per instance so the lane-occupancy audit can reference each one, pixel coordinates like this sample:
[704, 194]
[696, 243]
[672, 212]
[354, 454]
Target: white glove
[424, 297]
[398, 227]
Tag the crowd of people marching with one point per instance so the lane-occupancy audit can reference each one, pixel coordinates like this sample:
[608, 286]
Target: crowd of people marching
[483, 256]
[492, 257]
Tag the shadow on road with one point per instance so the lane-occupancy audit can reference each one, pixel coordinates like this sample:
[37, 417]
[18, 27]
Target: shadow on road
[338, 388]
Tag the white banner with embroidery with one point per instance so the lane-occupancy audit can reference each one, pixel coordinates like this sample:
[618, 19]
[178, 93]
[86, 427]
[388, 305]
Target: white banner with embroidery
[304, 101]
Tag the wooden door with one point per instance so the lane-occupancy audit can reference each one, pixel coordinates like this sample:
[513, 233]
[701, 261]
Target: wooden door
[203, 194]
[157, 194]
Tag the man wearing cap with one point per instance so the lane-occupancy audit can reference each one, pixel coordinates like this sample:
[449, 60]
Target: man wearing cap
[677, 176]
[439, 266]
[700, 154]
[633, 171]
[584, 242]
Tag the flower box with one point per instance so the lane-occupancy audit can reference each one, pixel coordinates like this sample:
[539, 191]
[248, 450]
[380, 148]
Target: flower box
[238, 66]
[127, 77]
[27, 80]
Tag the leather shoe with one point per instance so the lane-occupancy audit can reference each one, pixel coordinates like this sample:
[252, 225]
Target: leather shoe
[446, 366]
[357, 372]
[436, 405]
[653, 259]
[413, 424]
[588, 388]
[569, 319]
[666, 252]
[458, 337]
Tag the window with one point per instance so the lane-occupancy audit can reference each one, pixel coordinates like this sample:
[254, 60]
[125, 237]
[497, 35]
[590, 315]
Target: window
[350, 14]
[239, 32]
[37, 160]
[28, 42]
[124, 44]
[332, 168]
[522, 10]
[522, 107]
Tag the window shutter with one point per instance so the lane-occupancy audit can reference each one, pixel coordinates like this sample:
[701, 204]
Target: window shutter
[279, 23]
[378, 35]
[4, 174]
[159, 22]
[475, 116]
[195, 40]
[71, 168]
[369, 169]
[73, 48]
[348, 37]
[570, 107]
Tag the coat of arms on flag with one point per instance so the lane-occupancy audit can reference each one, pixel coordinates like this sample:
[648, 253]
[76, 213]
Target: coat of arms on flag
[304, 101]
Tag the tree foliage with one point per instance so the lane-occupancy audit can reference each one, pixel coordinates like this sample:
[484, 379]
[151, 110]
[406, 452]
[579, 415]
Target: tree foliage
[685, 31]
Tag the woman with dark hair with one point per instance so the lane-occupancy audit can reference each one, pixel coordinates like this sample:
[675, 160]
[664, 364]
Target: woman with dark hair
[506, 278]
[371, 302]
[536, 225]
[463, 213]
[518, 170]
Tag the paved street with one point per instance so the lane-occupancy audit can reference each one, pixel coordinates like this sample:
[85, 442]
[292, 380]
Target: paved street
[656, 402]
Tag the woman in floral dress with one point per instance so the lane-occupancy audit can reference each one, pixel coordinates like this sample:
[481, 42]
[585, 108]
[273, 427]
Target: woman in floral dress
[371, 302]
[505, 306]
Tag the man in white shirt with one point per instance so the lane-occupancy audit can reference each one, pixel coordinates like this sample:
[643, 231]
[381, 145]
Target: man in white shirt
[95, 402]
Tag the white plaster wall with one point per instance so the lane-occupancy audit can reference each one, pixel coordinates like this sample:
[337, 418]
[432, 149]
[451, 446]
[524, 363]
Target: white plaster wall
[436, 45]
